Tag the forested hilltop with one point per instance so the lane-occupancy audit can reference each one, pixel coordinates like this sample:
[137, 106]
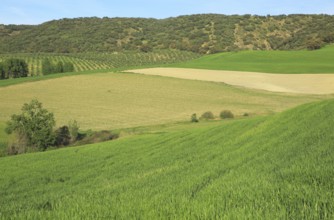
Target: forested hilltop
[204, 33]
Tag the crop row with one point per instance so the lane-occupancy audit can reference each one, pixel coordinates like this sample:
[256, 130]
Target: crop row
[96, 61]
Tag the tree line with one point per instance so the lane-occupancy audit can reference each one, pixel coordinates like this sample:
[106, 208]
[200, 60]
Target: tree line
[13, 68]
[49, 67]
[16, 68]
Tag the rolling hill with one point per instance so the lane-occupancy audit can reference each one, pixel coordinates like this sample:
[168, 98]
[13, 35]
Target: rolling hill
[303, 61]
[276, 167]
[121, 100]
[203, 33]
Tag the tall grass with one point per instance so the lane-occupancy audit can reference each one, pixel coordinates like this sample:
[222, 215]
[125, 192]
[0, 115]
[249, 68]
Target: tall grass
[277, 167]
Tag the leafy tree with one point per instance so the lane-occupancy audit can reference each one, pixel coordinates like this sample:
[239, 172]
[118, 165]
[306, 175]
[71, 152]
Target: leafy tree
[35, 125]
[63, 136]
[74, 130]
[194, 118]
[14, 68]
[68, 67]
[47, 67]
[314, 44]
[207, 115]
[59, 68]
[226, 114]
[2, 71]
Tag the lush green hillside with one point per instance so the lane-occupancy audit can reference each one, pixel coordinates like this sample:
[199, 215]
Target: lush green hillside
[98, 61]
[278, 167]
[120, 100]
[205, 33]
[319, 61]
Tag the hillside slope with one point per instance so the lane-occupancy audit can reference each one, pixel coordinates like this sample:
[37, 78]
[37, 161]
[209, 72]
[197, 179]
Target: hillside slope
[278, 167]
[204, 33]
[319, 61]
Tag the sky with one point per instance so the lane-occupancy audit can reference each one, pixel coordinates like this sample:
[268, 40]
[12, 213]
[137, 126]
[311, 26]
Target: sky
[39, 11]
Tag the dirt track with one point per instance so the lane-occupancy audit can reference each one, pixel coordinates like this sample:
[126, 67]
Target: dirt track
[291, 83]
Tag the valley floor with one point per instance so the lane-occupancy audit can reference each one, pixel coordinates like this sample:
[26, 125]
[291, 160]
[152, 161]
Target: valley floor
[289, 83]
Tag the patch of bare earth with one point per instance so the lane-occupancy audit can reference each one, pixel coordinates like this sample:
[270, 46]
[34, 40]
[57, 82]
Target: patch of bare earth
[290, 83]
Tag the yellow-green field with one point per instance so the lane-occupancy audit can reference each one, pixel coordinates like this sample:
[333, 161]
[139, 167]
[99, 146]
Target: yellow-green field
[119, 100]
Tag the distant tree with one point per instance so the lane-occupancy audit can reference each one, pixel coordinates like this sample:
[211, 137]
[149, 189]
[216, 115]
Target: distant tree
[145, 47]
[35, 125]
[14, 68]
[59, 68]
[207, 115]
[47, 67]
[2, 71]
[194, 118]
[226, 114]
[73, 129]
[63, 136]
[68, 67]
[314, 44]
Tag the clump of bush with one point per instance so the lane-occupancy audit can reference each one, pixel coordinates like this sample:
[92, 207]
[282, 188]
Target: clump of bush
[91, 137]
[207, 116]
[194, 118]
[226, 114]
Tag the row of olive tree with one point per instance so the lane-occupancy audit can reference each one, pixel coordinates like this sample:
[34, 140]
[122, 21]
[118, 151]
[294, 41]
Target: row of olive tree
[49, 67]
[34, 129]
[13, 68]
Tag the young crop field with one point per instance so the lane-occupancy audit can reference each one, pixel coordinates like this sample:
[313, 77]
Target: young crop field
[318, 61]
[97, 61]
[122, 100]
[274, 167]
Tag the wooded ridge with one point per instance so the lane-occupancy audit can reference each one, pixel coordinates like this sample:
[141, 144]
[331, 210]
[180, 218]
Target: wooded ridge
[202, 33]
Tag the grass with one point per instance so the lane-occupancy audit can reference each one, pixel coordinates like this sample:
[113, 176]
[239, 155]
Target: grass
[120, 100]
[3, 139]
[274, 167]
[319, 61]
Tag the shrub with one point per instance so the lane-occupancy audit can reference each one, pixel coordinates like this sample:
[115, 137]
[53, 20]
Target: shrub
[34, 125]
[63, 136]
[194, 118]
[207, 115]
[73, 128]
[246, 114]
[226, 114]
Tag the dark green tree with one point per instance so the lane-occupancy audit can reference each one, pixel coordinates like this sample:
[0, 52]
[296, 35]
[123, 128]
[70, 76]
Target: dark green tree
[14, 68]
[193, 118]
[63, 136]
[226, 114]
[68, 67]
[35, 125]
[47, 67]
[59, 68]
[2, 71]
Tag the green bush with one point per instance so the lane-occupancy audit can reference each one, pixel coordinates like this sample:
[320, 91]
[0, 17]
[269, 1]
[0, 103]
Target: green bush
[62, 136]
[207, 115]
[226, 114]
[194, 118]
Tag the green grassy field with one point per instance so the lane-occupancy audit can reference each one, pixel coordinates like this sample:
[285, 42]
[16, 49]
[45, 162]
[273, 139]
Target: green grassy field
[121, 100]
[274, 167]
[318, 61]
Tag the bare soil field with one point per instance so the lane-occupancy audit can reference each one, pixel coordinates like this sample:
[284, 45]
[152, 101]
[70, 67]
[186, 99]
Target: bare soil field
[289, 83]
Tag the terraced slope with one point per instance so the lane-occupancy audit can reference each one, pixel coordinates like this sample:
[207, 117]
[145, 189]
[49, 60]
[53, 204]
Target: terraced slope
[277, 167]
